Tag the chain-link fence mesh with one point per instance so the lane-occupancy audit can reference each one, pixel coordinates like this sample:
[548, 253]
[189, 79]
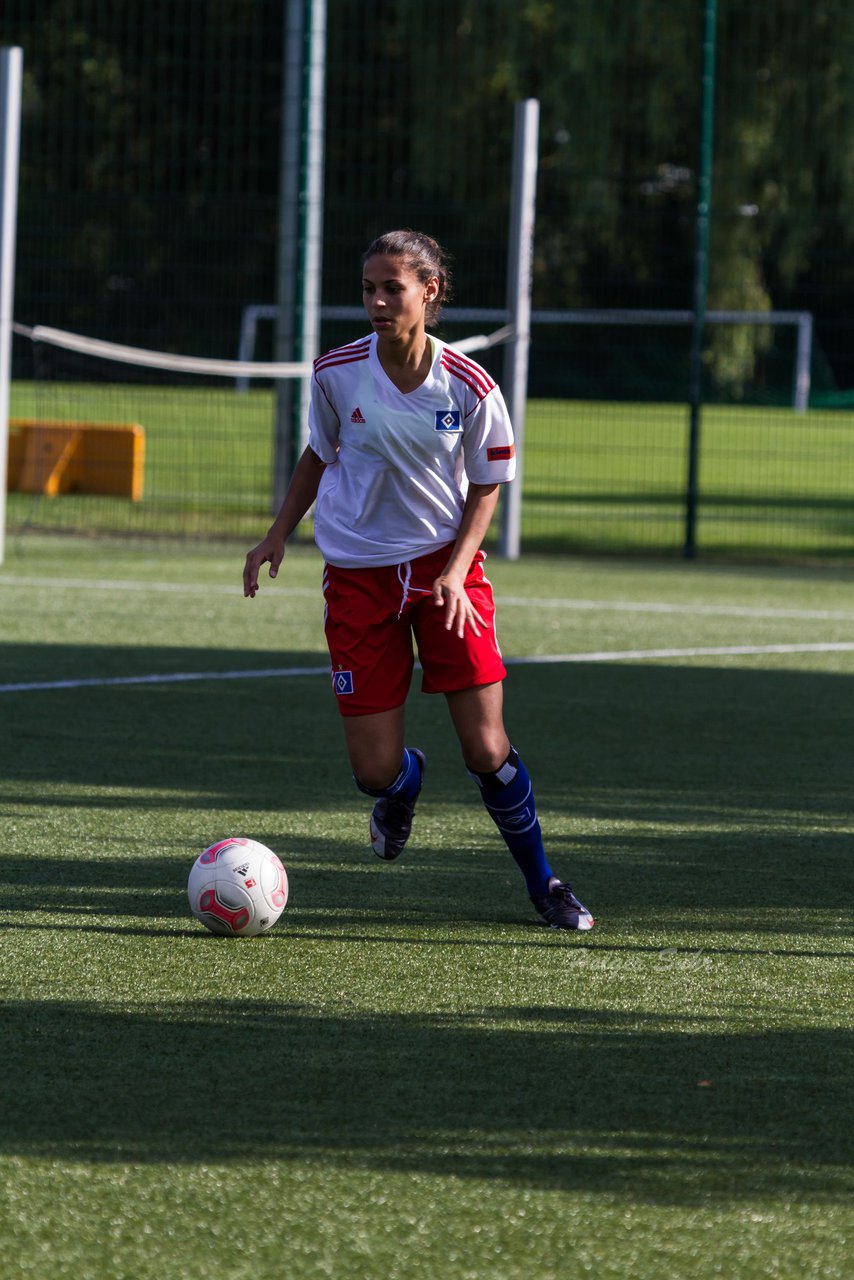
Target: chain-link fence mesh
[150, 205]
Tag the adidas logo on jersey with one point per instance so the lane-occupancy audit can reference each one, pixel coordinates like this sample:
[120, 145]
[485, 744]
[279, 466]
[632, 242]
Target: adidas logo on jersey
[356, 415]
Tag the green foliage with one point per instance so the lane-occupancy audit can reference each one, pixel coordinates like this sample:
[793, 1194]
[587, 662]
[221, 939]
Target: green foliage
[145, 144]
[152, 137]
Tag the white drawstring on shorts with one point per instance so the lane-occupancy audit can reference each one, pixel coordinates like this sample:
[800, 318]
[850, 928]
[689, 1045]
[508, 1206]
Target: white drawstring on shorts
[405, 580]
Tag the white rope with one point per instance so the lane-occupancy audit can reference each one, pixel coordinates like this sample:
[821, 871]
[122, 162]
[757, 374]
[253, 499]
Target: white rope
[161, 359]
[482, 341]
[145, 358]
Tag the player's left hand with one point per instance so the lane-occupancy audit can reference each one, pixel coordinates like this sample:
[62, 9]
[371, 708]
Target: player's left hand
[448, 591]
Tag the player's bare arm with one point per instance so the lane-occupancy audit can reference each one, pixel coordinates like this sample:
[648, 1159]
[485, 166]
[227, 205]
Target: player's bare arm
[448, 589]
[301, 493]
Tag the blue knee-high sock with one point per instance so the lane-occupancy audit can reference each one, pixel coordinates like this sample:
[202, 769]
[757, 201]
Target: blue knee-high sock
[406, 785]
[509, 799]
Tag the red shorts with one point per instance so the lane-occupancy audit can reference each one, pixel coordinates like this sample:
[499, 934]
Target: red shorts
[371, 617]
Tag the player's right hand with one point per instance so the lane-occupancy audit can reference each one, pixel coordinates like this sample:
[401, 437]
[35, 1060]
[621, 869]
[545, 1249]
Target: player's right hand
[271, 549]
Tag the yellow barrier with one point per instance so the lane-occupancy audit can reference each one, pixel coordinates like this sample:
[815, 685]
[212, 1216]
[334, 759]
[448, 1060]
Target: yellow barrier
[76, 457]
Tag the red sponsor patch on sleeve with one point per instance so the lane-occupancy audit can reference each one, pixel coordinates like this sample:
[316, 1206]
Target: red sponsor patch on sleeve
[501, 453]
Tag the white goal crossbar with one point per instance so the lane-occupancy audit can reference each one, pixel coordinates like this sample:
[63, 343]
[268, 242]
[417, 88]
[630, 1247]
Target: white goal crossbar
[256, 311]
[802, 320]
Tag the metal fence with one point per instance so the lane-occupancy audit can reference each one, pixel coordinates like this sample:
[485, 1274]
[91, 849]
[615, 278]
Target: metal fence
[150, 209]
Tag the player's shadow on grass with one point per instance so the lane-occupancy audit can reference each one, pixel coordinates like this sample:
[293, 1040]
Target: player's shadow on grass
[719, 885]
[650, 741]
[660, 787]
[187, 742]
[664, 1108]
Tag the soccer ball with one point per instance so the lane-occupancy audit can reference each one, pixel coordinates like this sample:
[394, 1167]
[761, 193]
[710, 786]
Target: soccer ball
[238, 887]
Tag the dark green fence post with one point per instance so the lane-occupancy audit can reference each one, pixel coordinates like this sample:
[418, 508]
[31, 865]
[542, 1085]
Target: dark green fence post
[701, 272]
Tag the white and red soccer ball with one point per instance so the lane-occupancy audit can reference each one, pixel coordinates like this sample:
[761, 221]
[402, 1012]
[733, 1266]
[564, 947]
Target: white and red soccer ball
[238, 887]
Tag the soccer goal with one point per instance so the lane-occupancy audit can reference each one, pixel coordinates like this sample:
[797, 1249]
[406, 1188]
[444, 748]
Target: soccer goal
[802, 321]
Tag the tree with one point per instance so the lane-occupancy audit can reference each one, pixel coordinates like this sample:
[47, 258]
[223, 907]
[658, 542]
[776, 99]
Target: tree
[150, 163]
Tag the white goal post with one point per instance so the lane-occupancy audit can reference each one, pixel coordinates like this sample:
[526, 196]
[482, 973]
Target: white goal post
[11, 81]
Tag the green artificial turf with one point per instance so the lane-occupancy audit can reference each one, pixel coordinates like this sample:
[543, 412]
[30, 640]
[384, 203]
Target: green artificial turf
[595, 475]
[408, 1078]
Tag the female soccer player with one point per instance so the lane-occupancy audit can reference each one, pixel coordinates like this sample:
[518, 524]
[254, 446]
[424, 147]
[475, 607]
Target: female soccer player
[409, 443]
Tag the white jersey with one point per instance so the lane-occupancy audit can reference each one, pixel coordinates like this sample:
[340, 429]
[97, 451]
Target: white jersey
[399, 464]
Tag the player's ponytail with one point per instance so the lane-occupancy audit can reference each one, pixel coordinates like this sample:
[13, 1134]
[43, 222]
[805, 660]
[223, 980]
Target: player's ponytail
[424, 257]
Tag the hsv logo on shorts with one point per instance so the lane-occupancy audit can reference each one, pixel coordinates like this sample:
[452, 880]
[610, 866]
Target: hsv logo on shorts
[448, 420]
[342, 682]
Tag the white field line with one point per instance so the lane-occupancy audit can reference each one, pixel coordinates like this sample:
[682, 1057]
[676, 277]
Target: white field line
[521, 602]
[124, 584]
[173, 677]
[267, 673]
[700, 651]
[698, 610]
